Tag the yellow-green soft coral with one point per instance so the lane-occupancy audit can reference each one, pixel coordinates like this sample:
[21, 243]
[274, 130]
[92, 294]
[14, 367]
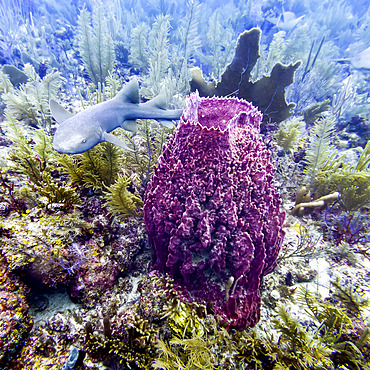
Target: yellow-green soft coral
[120, 201]
[35, 159]
[351, 180]
[96, 168]
[183, 319]
[289, 133]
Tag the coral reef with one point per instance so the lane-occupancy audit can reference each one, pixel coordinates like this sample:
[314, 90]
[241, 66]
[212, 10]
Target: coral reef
[82, 288]
[211, 210]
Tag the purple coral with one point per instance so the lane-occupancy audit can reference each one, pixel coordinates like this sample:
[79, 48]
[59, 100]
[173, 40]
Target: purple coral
[211, 209]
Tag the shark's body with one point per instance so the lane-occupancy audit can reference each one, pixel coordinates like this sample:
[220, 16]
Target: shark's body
[80, 132]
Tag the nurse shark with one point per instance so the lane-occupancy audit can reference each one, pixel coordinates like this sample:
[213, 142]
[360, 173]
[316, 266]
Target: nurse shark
[79, 133]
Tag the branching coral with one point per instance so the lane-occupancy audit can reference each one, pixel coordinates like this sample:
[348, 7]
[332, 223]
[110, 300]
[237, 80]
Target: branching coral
[132, 345]
[99, 169]
[193, 353]
[289, 133]
[306, 245]
[329, 172]
[337, 330]
[351, 180]
[220, 43]
[320, 148]
[352, 301]
[139, 46]
[5, 84]
[330, 342]
[190, 43]
[321, 202]
[158, 52]
[300, 349]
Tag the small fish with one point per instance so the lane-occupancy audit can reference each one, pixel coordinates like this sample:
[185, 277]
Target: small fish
[79, 133]
[361, 61]
[297, 227]
[286, 22]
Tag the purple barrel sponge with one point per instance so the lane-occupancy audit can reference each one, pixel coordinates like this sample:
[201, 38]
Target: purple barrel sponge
[211, 209]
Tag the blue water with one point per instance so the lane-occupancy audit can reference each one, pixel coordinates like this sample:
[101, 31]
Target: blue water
[198, 33]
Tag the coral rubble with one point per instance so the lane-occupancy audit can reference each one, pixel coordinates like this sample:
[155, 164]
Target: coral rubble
[211, 209]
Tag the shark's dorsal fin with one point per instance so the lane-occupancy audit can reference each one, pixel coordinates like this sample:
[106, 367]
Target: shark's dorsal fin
[114, 140]
[158, 102]
[129, 93]
[59, 113]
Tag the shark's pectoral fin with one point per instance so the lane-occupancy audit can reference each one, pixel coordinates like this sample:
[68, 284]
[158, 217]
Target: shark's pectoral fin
[166, 123]
[114, 140]
[59, 113]
[154, 125]
[130, 125]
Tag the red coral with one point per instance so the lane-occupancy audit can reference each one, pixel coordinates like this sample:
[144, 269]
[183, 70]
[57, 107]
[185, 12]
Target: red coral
[211, 209]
